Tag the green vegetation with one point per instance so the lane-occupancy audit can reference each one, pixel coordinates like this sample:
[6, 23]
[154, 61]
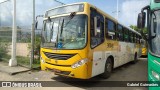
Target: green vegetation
[36, 47]
[138, 30]
[3, 49]
[22, 61]
[25, 61]
[22, 37]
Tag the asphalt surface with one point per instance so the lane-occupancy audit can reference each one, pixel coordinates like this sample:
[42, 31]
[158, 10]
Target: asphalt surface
[127, 72]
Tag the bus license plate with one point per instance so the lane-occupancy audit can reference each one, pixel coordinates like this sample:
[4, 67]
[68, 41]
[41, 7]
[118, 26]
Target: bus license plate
[56, 70]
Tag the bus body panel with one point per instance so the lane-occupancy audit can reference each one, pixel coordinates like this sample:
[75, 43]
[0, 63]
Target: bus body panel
[79, 72]
[153, 66]
[127, 52]
[98, 63]
[122, 53]
[82, 72]
[100, 55]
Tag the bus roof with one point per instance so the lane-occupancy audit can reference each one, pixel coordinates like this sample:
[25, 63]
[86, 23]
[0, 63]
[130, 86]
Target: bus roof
[100, 11]
[65, 5]
[110, 17]
[89, 5]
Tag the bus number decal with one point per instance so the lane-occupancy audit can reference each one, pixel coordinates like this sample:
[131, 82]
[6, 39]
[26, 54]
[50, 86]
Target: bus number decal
[110, 45]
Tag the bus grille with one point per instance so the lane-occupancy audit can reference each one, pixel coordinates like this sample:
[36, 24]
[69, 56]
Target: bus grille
[58, 56]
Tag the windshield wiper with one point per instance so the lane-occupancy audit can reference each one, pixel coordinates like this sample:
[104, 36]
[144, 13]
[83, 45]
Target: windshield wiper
[59, 39]
[61, 30]
[62, 27]
[70, 18]
[52, 30]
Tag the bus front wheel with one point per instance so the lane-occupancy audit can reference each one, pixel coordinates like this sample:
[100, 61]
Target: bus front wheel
[108, 69]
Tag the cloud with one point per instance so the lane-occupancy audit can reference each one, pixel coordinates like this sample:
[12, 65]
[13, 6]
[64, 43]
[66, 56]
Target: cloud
[24, 11]
[5, 13]
[130, 9]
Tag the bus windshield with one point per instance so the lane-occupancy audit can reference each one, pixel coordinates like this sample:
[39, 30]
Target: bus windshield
[155, 32]
[65, 33]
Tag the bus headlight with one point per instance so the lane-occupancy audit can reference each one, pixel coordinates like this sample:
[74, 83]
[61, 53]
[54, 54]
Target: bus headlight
[43, 61]
[155, 75]
[79, 63]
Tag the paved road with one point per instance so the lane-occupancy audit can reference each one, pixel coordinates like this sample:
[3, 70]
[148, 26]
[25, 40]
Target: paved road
[127, 72]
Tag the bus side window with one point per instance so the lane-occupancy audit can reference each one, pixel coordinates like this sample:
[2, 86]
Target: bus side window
[120, 32]
[111, 30]
[132, 37]
[129, 36]
[92, 26]
[137, 41]
[135, 38]
[98, 37]
[126, 34]
[140, 39]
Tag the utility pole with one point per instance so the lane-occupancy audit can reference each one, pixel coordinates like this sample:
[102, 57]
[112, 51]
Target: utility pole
[33, 33]
[117, 8]
[134, 21]
[32, 36]
[13, 60]
[115, 12]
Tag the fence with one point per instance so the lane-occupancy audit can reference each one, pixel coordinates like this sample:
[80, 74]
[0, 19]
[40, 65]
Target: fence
[23, 50]
[24, 18]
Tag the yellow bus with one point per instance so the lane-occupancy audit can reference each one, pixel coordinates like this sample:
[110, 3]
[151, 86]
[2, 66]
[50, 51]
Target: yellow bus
[81, 41]
[144, 48]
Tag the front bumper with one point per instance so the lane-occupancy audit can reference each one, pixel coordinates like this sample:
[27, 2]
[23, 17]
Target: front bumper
[80, 72]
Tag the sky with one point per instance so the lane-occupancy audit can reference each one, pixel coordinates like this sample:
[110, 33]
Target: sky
[128, 10]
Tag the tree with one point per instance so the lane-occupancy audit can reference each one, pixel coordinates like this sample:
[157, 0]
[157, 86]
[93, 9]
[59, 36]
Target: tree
[4, 49]
[139, 30]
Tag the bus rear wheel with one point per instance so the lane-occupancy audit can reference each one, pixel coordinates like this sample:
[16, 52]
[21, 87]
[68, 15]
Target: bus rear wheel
[108, 69]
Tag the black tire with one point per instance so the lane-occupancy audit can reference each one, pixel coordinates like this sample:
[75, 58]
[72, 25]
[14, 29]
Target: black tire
[135, 59]
[108, 69]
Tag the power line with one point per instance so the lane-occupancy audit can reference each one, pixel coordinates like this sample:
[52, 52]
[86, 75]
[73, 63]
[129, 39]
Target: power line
[4, 1]
[60, 2]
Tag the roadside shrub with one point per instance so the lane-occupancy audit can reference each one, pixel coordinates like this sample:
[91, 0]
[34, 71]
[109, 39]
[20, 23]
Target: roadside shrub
[36, 49]
[3, 49]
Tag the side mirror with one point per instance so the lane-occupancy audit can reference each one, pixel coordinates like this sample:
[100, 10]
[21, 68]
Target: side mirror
[141, 20]
[36, 25]
[95, 26]
[141, 23]
[155, 25]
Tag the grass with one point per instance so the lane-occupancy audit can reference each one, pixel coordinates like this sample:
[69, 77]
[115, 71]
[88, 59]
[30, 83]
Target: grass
[22, 61]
